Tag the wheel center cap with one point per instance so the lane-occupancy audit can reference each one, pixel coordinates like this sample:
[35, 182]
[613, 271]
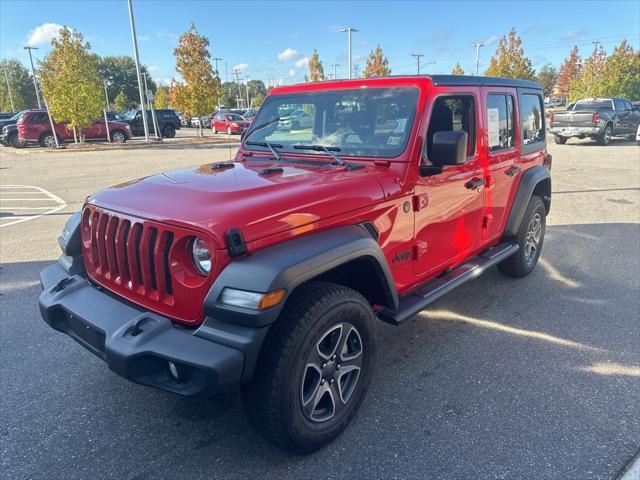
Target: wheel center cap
[329, 370]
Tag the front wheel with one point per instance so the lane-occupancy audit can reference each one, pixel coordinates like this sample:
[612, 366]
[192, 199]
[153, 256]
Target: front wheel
[314, 368]
[169, 131]
[605, 138]
[529, 238]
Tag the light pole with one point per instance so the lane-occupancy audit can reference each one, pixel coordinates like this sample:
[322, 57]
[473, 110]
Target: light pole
[6, 77]
[137, 60]
[417, 56]
[335, 70]
[477, 46]
[106, 120]
[216, 60]
[33, 74]
[349, 30]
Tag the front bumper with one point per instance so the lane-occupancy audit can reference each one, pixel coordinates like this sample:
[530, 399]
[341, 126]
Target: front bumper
[138, 344]
[575, 131]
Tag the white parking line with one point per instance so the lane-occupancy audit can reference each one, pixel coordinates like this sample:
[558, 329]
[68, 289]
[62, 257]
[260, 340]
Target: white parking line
[28, 192]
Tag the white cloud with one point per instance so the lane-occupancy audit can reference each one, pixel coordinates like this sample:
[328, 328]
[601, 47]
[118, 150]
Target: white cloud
[280, 81]
[302, 63]
[43, 34]
[489, 40]
[144, 38]
[288, 54]
[241, 67]
[292, 72]
[153, 68]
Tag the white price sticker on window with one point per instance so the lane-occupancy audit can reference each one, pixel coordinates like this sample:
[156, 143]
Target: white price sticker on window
[493, 117]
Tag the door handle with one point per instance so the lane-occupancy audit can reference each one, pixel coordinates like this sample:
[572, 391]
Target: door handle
[513, 171]
[474, 183]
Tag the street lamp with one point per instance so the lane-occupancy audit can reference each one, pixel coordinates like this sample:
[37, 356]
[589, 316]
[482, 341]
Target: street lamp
[33, 74]
[349, 30]
[477, 47]
[137, 60]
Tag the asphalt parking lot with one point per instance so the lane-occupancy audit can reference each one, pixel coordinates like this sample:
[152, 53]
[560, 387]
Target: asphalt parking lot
[533, 378]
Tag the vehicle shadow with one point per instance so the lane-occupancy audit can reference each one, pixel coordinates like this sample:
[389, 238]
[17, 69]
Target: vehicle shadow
[490, 360]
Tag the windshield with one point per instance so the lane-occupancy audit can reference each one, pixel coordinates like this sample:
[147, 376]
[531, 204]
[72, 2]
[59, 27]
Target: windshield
[234, 117]
[593, 105]
[130, 114]
[17, 116]
[367, 122]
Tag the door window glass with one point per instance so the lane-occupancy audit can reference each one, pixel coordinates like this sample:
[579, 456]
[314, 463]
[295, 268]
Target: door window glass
[457, 113]
[531, 120]
[500, 122]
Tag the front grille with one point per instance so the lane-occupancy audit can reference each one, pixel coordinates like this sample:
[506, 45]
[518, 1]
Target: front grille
[130, 253]
[146, 262]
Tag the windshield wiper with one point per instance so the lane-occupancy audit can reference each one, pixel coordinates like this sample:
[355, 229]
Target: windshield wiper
[323, 148]
[261, 126]
[270, 146]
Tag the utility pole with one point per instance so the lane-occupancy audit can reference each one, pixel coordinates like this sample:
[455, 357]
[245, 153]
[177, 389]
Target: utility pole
[349, 30]
[137, 60]
[237, 73]
[417, 56]
[356, 70]
[216, 59]
[595, 45]
[246, 85]
[153, 111]
[106, 120]
[6, 77]
[477, 47]
[335, 70]
[33, 74]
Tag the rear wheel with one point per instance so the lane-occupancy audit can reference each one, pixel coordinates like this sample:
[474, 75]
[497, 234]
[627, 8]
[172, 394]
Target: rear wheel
[169, 131]
[529, 238]
[605, 137]
[314, 369]
[47, 140]
[118, 136]
[560, 140]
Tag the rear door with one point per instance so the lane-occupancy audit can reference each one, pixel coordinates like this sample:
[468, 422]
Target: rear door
[500, 147]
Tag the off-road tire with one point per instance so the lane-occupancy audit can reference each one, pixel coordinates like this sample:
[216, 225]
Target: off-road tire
[559, 140]
[605, 138]
[273, 399]
[520, 264]
[169, 131]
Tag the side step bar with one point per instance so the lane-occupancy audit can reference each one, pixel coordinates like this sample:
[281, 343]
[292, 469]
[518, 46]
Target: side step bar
[418, 300]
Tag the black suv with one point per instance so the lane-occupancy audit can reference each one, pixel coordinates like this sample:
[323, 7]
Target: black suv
[168, 122]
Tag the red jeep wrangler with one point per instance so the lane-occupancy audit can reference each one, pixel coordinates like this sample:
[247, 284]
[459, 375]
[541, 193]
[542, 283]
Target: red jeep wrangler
[269, 272]
[35, 127]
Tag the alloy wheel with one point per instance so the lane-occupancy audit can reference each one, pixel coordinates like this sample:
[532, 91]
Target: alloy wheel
[532, 239]
[331, 372]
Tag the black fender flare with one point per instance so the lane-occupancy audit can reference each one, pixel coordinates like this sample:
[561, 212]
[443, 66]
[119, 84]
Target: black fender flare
[534, 180]
[289, 264]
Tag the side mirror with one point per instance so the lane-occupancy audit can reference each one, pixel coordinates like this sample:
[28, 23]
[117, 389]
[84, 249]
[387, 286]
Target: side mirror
[449, 148]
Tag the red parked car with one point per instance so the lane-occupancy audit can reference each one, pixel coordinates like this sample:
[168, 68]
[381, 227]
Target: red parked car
[231, 123]
[35, 127]
[271, 271]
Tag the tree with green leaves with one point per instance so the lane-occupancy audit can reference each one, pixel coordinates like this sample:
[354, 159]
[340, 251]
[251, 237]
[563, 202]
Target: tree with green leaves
[509, 61]
[377, 64]
[547, 77]
[198, 95]
[457, 70]
[120, 74]
[122, 102]
[161, 98]
[70, 81]
[590, 82]
[316, 70]
[257, 100]
[569, 70]
[20, 84]
[622, 77]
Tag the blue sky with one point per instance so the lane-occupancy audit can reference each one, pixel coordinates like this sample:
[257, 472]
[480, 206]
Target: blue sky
[271, 39]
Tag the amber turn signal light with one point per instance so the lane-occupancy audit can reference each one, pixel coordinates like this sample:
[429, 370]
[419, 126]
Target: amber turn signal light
[271, 299]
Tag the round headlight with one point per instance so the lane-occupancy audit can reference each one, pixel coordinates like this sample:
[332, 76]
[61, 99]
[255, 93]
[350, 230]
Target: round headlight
[201, 256]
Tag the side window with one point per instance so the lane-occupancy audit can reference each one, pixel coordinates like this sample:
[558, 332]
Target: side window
[627, 105]
[457, 113]
[531, 120]
[500, 122]
[619, 105]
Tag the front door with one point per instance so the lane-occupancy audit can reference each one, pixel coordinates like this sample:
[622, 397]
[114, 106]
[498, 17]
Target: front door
[448, 206]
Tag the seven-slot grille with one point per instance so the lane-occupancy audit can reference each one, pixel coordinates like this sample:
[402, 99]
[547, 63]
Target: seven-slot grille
[129, 253]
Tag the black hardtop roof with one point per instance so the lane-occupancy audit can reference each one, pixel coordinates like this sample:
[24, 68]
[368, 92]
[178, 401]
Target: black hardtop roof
[470, 80]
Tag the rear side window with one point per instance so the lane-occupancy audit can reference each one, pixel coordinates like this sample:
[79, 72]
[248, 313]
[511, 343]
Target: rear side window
[38, 117]
[531, 118]
[500, 122]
